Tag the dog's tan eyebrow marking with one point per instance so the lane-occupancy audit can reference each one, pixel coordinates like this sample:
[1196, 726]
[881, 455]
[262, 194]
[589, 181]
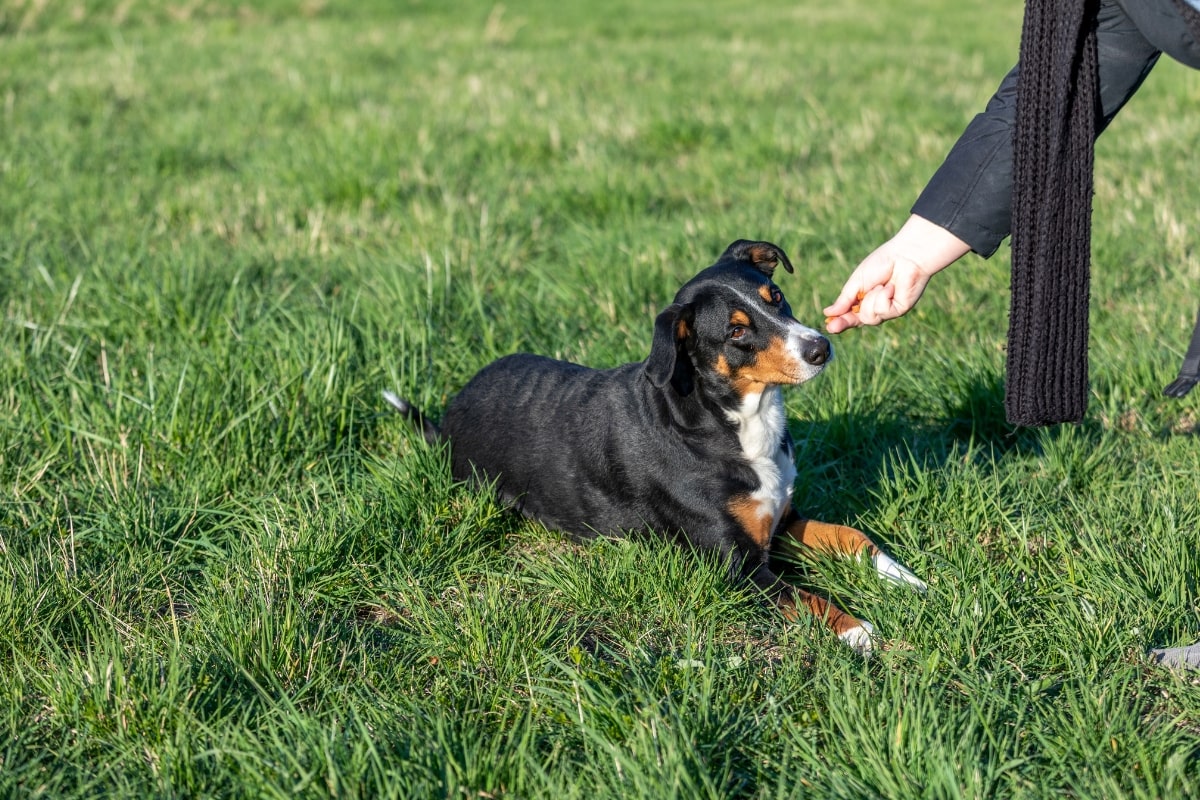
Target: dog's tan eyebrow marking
[753, 301]
[739, 317]
[766, 293]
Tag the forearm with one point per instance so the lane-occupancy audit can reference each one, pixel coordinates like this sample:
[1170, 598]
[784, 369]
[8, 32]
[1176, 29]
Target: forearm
[929, 245]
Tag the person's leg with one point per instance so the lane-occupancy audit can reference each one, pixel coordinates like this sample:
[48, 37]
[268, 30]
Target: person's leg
[1171, 28]
[1168, 26]
[1189, 373]
[1124, 55]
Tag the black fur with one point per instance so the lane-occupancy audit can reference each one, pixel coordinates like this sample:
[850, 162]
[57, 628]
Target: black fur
[643, 446]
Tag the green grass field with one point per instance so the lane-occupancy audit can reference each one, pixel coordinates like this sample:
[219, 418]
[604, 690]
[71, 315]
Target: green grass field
[227, 570]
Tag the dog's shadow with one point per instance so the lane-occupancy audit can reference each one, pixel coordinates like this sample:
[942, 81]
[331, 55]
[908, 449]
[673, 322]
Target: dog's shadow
[844, 460]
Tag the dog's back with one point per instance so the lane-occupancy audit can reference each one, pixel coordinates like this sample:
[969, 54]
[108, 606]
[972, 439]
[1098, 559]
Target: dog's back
[568, 444]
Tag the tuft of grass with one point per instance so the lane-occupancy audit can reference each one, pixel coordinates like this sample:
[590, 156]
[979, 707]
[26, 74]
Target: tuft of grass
[228, 570]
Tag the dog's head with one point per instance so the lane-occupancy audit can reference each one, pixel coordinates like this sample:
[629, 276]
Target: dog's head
[730, 326]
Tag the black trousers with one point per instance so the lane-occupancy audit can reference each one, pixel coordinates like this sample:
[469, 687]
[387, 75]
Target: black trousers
[971, 193]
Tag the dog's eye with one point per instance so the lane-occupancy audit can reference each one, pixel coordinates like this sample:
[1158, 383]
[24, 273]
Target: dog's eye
[776, 296]
[737, 332]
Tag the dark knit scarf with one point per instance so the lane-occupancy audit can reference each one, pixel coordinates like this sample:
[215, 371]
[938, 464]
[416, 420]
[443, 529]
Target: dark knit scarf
[1058, 112]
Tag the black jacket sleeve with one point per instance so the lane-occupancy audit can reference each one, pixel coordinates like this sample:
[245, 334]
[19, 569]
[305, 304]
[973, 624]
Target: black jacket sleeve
[970, 195]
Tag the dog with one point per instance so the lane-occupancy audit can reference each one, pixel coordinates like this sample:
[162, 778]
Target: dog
[691, 443]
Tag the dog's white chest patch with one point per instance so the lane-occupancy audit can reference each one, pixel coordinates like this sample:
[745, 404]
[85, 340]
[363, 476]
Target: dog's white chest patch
[761, 425]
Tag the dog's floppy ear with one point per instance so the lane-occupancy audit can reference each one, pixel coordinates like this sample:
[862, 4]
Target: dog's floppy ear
[763, 255]
[667, 362]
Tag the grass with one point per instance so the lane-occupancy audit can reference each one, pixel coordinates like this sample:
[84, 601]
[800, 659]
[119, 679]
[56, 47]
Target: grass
[229, 571]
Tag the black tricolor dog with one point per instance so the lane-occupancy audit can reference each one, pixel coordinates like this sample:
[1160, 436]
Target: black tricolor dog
[691, 443]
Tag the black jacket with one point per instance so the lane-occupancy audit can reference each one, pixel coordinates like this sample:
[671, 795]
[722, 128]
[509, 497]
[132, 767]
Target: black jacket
[971, 193]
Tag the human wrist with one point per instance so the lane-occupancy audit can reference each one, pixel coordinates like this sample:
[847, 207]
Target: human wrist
[928, 245]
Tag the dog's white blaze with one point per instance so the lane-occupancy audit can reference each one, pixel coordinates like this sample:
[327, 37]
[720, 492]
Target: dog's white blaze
[761, 424]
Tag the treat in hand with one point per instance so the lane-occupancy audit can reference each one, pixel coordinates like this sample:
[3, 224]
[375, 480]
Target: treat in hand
[853, 309]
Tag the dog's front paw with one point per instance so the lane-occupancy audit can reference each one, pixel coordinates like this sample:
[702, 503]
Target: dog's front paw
[892, 572]
[859, 638]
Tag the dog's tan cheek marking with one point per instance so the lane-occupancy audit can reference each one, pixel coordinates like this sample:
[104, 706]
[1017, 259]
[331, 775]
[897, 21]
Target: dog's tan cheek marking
[772, 365]
[755, 517]
[738, 380]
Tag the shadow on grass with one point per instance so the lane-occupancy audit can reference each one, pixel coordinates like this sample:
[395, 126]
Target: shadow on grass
[843, 458]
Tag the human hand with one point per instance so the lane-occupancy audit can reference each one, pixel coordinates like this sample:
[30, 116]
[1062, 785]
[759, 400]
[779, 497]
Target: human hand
[890, 281]
[886, 285]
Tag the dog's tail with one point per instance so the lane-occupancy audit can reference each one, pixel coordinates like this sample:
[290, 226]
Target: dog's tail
[430, 431]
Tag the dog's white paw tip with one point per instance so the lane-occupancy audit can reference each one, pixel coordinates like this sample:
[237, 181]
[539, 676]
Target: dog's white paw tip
[391, 397]
[887, 568]
[859, 638]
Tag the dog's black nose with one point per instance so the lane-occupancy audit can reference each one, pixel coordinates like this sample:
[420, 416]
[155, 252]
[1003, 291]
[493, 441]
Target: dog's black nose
[816, 351]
